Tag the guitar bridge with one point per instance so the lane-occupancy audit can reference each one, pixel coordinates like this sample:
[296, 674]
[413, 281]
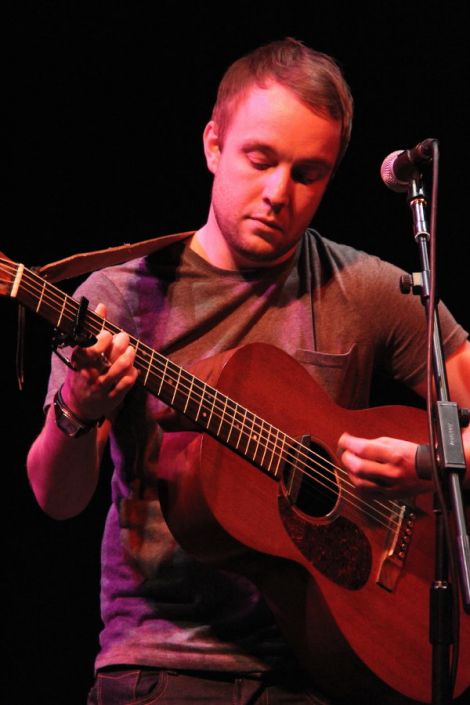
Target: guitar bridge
[398, 541]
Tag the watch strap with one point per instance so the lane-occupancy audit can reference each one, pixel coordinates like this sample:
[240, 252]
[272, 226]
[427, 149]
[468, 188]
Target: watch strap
[68, 422]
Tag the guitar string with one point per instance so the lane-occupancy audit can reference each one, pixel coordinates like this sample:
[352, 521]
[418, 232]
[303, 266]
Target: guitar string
[69, 302]
[258, 432]
[295, 446]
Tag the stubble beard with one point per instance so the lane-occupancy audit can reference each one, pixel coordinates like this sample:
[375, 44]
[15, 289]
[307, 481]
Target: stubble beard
[243, 251]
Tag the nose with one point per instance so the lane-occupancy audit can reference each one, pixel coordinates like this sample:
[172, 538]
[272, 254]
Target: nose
[277, 188]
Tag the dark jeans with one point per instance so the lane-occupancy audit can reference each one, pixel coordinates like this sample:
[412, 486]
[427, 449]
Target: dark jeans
[135, 686]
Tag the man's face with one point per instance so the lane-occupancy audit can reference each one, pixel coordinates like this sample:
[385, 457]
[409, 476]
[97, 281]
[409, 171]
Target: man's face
[269, 175]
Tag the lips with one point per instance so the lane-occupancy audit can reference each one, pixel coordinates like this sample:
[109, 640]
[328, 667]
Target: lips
[272, 224]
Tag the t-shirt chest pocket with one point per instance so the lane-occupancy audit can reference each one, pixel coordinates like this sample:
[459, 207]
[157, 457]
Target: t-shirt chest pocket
[337, 374]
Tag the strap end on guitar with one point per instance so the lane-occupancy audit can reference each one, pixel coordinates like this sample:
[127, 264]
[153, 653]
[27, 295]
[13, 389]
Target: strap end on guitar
[20, 335]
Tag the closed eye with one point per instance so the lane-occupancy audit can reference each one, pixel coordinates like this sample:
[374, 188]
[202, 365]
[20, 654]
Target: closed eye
[260, 165]
[305, 172]
[310, 175]
[260, 161]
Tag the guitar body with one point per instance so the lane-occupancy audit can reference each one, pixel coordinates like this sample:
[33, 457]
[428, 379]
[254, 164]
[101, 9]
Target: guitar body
[319, 572]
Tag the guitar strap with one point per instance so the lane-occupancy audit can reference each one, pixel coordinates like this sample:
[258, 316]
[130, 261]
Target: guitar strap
[84, 263]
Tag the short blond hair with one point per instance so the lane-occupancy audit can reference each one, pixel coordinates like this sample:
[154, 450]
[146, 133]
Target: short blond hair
[315, 78]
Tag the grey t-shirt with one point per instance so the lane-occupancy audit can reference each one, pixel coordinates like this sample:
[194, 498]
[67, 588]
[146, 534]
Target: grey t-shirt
[340, 313]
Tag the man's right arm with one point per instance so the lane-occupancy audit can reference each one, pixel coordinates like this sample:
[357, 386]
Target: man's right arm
[64, 471]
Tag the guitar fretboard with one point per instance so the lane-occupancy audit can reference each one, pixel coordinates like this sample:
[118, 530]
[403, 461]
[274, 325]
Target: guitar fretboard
[232, 424]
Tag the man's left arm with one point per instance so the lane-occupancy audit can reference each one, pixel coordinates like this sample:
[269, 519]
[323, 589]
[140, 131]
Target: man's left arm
[388, 465]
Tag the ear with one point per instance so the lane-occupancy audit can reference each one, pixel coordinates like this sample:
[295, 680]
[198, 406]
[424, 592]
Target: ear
[211, 146]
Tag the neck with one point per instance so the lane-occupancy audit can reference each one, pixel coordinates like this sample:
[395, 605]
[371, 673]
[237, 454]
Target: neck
[209, 243]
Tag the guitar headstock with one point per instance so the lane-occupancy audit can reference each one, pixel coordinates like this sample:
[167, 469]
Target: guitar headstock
[8, 270]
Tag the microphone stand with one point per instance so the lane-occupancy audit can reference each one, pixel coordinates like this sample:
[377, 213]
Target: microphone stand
[448, 460]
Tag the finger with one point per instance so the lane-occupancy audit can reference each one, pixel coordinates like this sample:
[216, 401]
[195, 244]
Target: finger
[86, 357]
[383, 475]
[372, 490]
[377, 449]
[101, 310]
[102, 363]
[120, 368]
[107, 351]
[101, 355]
[118, 346]
[123, 385]
[101, 340]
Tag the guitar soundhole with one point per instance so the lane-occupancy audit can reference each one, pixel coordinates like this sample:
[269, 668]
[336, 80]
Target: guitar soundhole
[309, 479]
[336, 546]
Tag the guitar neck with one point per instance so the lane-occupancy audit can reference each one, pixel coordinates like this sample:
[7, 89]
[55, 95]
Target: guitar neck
[246, 433]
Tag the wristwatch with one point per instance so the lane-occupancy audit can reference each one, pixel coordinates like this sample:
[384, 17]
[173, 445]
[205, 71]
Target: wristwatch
[68, 422]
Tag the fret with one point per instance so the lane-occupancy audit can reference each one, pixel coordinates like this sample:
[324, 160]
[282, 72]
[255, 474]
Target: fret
[250, 434]
[265, 446]
[212, 408]
[273, 450]
[293, 468]
[176, 386]
[61, 312]
[188, 396]
[203, 392]
[222, 416]
[209, 400]
[257, 438]
[43, 288]
[281, 452]
[191, 403]
[163, 375]
[231, 423]
[148, 369]
[242, 425]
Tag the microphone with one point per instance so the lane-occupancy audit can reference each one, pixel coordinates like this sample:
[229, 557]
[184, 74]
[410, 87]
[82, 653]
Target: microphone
[400, 167]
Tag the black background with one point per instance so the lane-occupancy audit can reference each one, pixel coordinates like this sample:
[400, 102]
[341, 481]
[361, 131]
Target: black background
[107, 106]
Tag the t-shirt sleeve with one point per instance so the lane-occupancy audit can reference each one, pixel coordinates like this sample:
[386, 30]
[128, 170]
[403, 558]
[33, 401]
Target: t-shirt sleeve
[401, 325]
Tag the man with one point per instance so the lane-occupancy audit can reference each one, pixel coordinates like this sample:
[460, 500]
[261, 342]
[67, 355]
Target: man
[176, 630]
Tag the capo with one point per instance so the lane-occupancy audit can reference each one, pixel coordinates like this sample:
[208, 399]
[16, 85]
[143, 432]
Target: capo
[76, 337]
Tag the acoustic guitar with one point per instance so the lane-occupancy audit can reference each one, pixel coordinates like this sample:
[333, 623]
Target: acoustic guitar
[347, 577]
